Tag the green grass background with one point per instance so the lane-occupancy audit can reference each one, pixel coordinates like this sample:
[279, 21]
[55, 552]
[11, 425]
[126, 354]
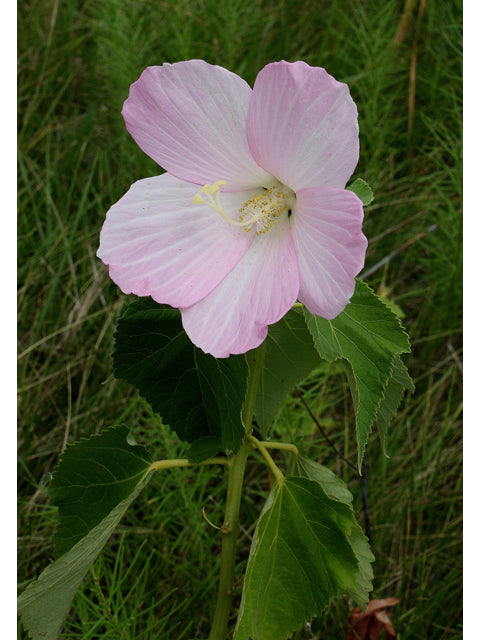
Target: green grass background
[402, 61]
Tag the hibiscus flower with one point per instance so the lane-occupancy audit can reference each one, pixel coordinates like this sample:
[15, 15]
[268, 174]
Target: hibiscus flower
[252, 214]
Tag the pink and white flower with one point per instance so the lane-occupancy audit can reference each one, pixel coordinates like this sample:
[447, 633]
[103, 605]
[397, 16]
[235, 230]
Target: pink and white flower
[252, 214]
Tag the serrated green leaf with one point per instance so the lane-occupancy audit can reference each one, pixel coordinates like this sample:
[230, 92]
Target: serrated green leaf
[93, 476]
[336, 489]
[365, 557]
[368, 335]
[399, 381]
[196, 394]
[44, 603]
[363, 190]
[290, 355]
[333, 486]
[300, 559]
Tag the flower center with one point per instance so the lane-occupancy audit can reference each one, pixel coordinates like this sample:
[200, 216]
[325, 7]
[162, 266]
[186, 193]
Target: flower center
[262, 211]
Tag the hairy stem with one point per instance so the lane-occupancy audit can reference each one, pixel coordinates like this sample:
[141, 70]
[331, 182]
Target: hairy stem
[236, 470]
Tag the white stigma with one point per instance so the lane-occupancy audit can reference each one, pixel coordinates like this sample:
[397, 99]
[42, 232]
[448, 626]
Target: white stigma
[262, 211]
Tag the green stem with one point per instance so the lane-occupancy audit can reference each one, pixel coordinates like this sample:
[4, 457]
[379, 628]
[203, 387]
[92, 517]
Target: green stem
[279, 477]
[281, 446]
[159, 465]
[229, 544]
[236, 471]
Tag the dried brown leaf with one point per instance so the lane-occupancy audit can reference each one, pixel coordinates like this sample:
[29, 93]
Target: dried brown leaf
[368, 625]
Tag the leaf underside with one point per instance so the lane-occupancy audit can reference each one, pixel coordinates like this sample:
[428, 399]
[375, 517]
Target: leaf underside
[336, 489]
[396, 386]
[300, 559]
[368, 335]
[362, 190]
[45, 602]
[93, 476]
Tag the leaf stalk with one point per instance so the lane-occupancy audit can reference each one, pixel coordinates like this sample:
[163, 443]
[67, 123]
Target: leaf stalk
[282, 446]
[159, 465]
[279, 477]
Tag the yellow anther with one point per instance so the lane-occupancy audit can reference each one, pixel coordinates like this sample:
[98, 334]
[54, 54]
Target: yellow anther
[215, 186]
[261, 210]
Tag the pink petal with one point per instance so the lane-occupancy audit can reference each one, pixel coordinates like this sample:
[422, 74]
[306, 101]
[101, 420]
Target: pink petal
[302, 126]
[190, 117]
[159, 243]
[330, 246]
[234, 318]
